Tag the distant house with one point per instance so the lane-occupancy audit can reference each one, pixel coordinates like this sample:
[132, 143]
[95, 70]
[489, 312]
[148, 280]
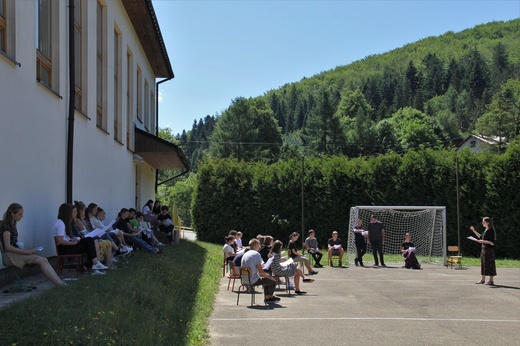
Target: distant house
[78, 108]
[479, 143]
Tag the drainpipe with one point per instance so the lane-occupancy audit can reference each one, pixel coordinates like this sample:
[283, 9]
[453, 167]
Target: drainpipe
[157, 121]
[72, 97]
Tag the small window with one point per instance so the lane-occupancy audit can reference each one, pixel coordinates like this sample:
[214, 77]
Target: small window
[473, 144]
[43, 53]
[3, 27]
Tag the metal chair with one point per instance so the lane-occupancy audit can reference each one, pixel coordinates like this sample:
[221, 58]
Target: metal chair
[246, 285]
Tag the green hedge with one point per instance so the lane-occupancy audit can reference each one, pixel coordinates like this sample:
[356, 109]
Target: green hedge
[260, 198]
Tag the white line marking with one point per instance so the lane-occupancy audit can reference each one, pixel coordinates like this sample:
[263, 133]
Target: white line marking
[365, 318]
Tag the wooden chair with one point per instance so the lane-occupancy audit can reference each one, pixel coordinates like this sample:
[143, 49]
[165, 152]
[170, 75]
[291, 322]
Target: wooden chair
[246, 286]
[20, 285]
[454, 257]
[232, 275]
[68, 261]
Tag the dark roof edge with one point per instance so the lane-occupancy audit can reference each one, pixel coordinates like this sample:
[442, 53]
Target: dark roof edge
[153, 17]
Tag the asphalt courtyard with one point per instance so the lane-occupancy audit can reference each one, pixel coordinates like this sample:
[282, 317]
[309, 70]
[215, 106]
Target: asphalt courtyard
[377, 306]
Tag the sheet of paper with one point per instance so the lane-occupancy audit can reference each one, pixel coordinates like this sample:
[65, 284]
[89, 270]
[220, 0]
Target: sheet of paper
[95, 233]
[472, 238]
[286, 263]
[267, 264]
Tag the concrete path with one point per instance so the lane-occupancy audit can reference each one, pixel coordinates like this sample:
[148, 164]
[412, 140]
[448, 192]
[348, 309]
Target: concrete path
[378, 306]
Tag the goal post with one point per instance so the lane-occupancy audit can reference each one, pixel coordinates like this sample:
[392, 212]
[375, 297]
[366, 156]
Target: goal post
[426, 224]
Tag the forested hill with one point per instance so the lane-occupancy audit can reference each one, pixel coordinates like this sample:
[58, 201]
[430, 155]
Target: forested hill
[426, 94]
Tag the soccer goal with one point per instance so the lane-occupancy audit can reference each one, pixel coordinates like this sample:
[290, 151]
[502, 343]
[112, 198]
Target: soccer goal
[427, 225]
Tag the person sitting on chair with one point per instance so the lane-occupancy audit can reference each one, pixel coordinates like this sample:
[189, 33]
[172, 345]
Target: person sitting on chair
[253, 260]
[297, 257]
[311, 243]
[12, 254]
[408, 251]
[335, 248]
[229, 251]
[286, 271]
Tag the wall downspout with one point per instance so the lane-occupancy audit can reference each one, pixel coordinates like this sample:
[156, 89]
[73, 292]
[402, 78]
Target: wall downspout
[157, 121]
[72, 97]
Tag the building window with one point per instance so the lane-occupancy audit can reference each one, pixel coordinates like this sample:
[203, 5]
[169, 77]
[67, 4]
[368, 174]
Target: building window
[130, 100]
[43, 48]
[473, 144]
[152, 114]
[118, 131]
[139, 96]
[3, 27]
[100, 60]
[80, 32]
[146, 107]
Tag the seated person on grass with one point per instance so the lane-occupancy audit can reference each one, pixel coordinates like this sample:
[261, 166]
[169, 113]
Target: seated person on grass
[13, 255]
[335, 248]
[131, 237]
[408, 252]
[164, 220]
[297, 257]
[147, 230]
[253, 260]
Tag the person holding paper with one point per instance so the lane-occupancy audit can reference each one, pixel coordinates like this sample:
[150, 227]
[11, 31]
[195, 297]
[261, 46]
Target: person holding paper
[12, 253]
[408, 252]
[291, 269]
[335, 249]
[487, 254]
[253, 260]
[297, 257]
[131, 237]
[70, 242]
[311, 243]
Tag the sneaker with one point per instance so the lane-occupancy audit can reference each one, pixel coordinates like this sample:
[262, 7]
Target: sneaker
[272, 299]
[383, 265]
[376, 265]
[97, 272]
[129, 248]
[160, 244]
[99, 265]
[300, 292]
[356, 262]
[317, 266]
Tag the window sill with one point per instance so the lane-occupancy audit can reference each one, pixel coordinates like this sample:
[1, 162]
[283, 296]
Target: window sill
[11, 59]
[49, 89]
[103, 130]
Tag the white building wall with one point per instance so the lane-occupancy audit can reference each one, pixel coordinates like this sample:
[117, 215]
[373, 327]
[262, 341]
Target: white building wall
[33, 129]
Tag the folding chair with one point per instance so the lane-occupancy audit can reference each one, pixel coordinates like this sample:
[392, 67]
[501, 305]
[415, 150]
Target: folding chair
[330, 260]
[246, 285]
[454, 257]
[232, 275]
[70, 261]
[20, 285]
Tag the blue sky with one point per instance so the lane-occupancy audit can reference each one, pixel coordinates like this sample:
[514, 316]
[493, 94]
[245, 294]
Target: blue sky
[220, 50]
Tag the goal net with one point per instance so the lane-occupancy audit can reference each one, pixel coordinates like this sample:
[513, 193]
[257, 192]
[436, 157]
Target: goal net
[427, 226]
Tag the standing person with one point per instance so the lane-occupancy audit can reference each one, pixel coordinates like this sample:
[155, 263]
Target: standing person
[376, 237]
[12, 253]
[487, 254]
[311, 243]
[253, 260]
[297, 257]
[408, 252]
[335, 249]
[359, 240]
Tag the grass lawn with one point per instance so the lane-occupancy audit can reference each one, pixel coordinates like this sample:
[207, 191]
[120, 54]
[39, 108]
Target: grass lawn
[150, 300]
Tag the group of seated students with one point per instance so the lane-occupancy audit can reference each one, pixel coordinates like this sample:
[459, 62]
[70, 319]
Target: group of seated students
[80, 229]
[264, 257]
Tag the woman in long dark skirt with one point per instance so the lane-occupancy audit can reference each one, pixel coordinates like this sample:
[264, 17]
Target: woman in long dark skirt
[487, 255]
